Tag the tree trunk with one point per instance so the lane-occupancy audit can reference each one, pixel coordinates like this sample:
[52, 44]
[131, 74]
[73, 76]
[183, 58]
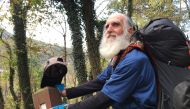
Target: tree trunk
[1, 99]
[100, 26]
[1, 93]
[19, 21]
[11, 87]
[72, 11]
[130, 8]
[88, 16]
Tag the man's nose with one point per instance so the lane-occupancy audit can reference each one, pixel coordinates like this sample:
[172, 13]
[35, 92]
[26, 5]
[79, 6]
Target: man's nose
[109, 29]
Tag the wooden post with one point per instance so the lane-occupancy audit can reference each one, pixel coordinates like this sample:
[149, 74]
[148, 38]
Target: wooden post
[46, 98]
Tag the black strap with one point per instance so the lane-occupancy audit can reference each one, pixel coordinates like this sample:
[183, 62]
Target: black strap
[98, 101]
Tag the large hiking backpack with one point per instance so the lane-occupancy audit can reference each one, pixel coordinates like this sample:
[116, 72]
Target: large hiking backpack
[169, 50]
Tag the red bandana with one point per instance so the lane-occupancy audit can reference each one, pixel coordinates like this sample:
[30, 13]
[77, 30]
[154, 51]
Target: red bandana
[116, 59]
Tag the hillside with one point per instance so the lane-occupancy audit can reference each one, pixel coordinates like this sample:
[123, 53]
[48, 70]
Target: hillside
[38, 49]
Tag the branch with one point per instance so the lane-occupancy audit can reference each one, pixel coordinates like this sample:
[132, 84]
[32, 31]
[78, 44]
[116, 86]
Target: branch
[2, 4]
[1, 34]
[187, 7]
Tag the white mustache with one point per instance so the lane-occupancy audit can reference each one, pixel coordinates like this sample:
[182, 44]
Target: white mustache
[111, 35]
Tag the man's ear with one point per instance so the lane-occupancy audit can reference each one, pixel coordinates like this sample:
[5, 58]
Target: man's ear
[130, 31]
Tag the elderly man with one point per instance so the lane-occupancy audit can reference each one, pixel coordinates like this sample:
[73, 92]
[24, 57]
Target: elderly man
[128, 82]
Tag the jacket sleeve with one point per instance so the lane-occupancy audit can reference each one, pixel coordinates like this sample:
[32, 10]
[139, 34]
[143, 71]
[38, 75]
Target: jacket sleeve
[98, 101]
[84, 89]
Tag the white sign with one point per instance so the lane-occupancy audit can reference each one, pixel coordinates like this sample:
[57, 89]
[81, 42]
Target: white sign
[43, 106]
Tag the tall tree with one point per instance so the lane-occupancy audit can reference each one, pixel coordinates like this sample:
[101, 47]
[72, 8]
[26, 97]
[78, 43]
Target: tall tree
[88, 16]
[19, 14]
[72, 12]
[12, 72]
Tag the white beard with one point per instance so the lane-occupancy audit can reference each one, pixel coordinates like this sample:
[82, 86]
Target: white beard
[109, 47]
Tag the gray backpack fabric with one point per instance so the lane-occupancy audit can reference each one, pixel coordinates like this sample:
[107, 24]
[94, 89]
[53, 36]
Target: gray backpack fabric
[169, 50]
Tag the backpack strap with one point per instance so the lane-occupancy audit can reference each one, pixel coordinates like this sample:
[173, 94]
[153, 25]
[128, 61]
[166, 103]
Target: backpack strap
[188, 45]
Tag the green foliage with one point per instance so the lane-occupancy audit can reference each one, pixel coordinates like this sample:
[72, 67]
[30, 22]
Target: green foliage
[36, 71]
[145, 10]
[35, 2]
[5, 75]
[9, 104]
[117, 6]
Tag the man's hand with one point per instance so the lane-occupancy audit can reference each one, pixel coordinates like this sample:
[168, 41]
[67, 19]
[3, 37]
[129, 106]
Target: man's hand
[63, 93]
[62, 106]
[61, 89]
